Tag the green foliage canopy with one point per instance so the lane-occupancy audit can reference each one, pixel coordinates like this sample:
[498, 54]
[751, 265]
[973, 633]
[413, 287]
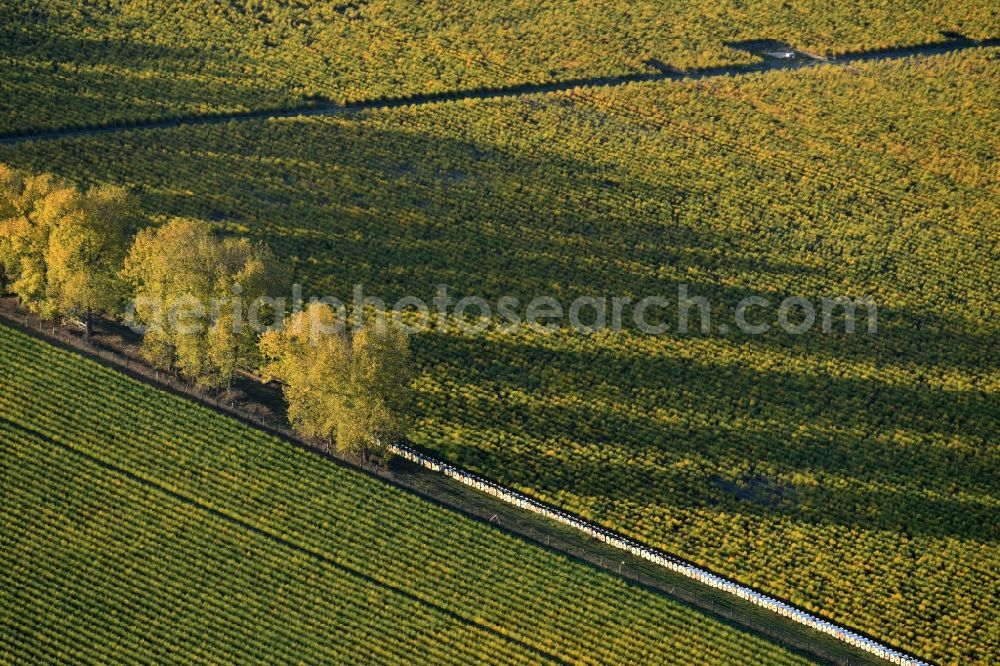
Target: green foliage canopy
[853, 475]
[132, 60]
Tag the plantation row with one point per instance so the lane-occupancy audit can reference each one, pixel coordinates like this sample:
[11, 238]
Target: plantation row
[849, 474]
[129, 61]
[150, 603]
[214, 530]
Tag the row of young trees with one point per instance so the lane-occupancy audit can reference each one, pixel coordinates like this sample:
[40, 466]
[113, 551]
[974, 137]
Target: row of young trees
[76, 253]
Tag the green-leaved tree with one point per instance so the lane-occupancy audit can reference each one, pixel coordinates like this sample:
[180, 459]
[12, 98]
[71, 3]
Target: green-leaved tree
[377, 411]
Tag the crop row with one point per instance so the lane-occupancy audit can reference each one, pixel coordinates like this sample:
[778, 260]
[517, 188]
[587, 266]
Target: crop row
[533, 602]
[188, 574]
[850, 474]
[375, 551]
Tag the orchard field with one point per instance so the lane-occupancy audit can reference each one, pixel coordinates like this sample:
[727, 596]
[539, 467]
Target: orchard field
[137, 524]
[853, 475]
[67, 63]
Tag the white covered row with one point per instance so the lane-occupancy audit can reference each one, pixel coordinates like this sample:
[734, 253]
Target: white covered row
[657, 557]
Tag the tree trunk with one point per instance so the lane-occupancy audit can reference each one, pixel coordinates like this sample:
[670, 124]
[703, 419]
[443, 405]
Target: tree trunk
[3, 281]
[88, 328]
[232, 372]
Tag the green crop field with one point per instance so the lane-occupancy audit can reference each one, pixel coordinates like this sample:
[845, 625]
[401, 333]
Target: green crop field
[138, 526]
[66, 63]
[852, 474]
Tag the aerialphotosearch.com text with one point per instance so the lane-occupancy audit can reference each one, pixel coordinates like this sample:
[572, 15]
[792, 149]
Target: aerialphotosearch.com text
[682, 312]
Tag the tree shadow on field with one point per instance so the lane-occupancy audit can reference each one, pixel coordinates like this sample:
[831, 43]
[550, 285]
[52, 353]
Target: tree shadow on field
[53, 80]
[631, 420]
[403, 209]
[347, 201]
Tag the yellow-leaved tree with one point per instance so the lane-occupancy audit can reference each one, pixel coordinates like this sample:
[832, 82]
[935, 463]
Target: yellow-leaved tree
[85, 254]
[27, 203]
[351, 391]
[63, 247]
[196, 296]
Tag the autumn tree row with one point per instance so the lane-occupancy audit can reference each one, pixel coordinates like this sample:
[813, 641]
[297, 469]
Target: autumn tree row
[74, 254]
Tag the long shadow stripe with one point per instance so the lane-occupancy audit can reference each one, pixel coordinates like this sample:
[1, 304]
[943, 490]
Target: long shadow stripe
[663, 73]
